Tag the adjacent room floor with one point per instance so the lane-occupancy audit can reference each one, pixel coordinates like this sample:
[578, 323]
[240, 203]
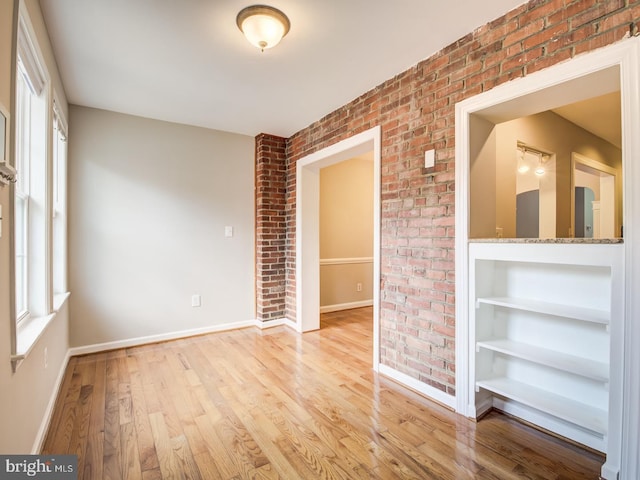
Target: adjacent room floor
[276, 404]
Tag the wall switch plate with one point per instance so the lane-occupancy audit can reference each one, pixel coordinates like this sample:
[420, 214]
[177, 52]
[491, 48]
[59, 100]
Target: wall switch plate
[196, 300]
[429, 159]
[228, 232]
[358, 287]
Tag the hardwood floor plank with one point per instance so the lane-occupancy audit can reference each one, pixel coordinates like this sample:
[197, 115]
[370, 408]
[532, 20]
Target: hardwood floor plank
[111, 411]
[78, 440]
[221, 458]
[207, 466]
[169, 466]
[92, 466]
[146, 447]
[131, 468]
[184, 457]
[274, 404]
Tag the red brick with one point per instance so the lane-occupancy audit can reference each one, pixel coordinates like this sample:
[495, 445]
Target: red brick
[416, 110]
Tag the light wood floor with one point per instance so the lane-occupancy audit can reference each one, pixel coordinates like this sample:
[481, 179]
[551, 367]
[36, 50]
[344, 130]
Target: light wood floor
[273, 404]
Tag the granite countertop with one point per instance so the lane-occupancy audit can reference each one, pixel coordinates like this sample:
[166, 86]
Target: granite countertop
[589, 241]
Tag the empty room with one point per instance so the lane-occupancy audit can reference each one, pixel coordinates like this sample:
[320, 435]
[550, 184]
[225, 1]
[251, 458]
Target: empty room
[319, 239]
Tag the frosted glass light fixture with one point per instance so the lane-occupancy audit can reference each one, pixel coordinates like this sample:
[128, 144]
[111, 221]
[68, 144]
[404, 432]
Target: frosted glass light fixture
[522, 164]
[263, 26]
[540, 168]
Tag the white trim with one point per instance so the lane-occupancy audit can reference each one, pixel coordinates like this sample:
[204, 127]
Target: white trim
[463, 403]
[420, 387]
[345, 261]
[543, 85]
[630, 441]
[346, 306]
[276, 322]
[30, 53]
[163, 337]
[577, 159]
[48, 413]
[307, 226]
[551, 423]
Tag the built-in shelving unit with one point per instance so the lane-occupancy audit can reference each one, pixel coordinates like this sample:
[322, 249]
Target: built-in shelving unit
[566, 311]
[544, 322]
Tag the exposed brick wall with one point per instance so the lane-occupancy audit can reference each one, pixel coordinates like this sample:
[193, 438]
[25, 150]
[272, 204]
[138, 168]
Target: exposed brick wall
[416, 110]
[270, 226]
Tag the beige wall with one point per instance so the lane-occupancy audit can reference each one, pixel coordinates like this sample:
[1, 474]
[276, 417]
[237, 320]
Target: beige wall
[552, 133]
[149, 202]
[482, 172]
[346, 231]
[24, 395]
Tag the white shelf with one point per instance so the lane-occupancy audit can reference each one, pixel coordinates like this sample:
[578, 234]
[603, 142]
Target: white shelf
[567, 409]
[555, 309]
[561, 361]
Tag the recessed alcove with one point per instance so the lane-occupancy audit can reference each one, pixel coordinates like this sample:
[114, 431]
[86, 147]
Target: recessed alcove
[524, 179]
[528, 341]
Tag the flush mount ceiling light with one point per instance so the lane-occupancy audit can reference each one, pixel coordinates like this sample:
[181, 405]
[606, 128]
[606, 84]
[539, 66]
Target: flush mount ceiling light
[263, 26]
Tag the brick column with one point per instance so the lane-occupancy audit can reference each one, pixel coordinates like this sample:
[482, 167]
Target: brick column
[271, 226]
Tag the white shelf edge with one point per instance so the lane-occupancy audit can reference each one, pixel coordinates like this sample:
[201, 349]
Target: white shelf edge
[566, 311]
[583, 367]
[585, 416]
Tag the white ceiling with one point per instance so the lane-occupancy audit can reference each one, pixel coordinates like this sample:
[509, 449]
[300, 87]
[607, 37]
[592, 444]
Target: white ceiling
[186, 61]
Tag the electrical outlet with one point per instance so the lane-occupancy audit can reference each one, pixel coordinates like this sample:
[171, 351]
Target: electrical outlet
[196, 300]
[358, 287]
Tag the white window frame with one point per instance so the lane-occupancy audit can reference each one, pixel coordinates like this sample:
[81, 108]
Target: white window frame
[59, 205]
[29, 323]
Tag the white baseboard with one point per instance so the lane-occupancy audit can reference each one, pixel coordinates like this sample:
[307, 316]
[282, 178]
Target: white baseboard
[163, 337]
[276, 323]
[422, 388]
[346, 306]
[46, 418]
[551, 423]
[482, 407]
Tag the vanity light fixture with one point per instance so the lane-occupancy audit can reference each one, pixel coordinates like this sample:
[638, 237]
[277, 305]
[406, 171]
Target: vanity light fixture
[264, 26]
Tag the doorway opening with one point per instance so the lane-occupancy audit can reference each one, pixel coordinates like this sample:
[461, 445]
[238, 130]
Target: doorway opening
[595, 201]
[346, 235]
[308, 228]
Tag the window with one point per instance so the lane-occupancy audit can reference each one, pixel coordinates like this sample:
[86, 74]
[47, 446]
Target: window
[59, 210]
[21, 195]
[30, 193]
[39, 149]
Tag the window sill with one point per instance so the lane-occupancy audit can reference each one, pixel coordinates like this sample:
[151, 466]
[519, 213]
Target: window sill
[59, 300]
[30, 331]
